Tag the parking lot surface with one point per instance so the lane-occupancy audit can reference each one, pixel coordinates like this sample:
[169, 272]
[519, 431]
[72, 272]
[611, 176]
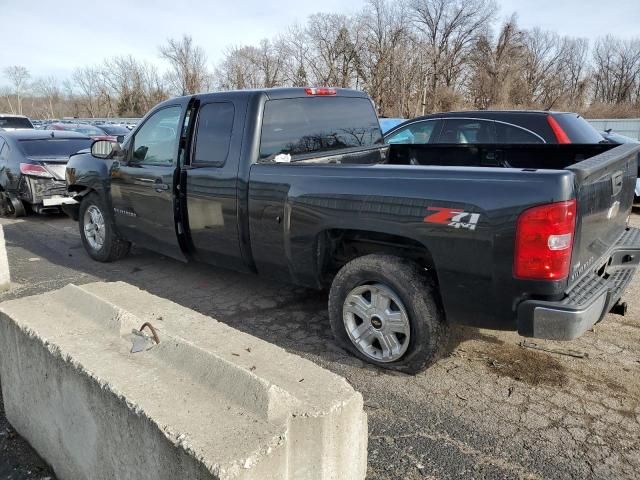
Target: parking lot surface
[491, 408]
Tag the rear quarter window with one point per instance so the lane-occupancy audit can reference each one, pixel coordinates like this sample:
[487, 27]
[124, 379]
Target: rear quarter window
[577, 128]
[298, 126]
[213, 134]
[512, 134]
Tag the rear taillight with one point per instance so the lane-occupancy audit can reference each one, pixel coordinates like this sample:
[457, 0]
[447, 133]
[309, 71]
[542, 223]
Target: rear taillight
[558, 131]
[34, 170]
[544, 240]
[320, 91]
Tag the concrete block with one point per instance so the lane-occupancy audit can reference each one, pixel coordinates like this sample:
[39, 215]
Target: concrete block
[207, 402]
[5, 277]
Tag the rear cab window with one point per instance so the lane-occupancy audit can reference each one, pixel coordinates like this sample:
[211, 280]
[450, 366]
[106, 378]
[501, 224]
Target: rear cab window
[300, 126]
[577, 128]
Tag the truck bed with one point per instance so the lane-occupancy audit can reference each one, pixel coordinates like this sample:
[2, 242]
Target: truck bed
[325, 199]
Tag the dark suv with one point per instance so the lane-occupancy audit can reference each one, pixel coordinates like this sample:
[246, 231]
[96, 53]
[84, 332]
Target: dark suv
[502, 127]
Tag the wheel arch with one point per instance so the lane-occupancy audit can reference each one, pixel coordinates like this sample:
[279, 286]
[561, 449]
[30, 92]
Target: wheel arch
[338, 246]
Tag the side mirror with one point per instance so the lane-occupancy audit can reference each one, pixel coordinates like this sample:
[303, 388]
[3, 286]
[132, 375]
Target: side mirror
[105, 149]
[120, 138]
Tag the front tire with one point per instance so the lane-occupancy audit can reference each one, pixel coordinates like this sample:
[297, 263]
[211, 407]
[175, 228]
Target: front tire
[385, 311]
[97, 231]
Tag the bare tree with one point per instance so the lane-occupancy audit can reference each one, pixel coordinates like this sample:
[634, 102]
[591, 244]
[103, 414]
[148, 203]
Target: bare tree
[49, 89]
[384, 54]
[294, 48]
[334, 42]
[89, 87]
[19, 77]
[448, 29]
[136, 85]
[188, 65]
[616, 70]
[494, 66]
[252, 67]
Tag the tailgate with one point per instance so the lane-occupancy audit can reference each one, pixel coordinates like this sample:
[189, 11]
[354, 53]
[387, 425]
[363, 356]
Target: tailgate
[604, 191]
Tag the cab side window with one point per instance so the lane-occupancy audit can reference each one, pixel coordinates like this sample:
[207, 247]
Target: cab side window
[157, 140]
[213, 134]
[467, 131]
[417, 133]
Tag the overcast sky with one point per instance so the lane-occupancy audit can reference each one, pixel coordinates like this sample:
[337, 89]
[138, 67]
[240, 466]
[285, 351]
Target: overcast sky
[53, 38]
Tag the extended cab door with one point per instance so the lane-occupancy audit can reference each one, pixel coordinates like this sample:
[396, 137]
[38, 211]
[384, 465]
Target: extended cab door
[211, 178]
[142, 183]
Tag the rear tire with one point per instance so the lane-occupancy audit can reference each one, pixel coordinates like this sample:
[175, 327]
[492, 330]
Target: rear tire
[385, 311]
[97, 231]
[11, 207]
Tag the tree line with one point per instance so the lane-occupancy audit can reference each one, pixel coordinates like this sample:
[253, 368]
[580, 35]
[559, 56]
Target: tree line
[412, 57]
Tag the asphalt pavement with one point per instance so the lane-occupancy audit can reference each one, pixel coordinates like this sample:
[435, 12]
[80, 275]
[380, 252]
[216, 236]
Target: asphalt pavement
[489, 409]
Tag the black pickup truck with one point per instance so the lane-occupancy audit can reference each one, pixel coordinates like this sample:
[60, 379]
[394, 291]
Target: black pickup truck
[296, 184]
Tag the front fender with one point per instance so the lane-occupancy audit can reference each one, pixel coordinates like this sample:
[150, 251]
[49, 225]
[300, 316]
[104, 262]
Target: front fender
[86, 172]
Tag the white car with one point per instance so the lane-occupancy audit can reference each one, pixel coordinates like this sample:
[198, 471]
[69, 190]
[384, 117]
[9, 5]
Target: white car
[10, 121]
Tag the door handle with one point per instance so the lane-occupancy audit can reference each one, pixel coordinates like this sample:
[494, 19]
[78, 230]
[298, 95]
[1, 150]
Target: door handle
[157, 184]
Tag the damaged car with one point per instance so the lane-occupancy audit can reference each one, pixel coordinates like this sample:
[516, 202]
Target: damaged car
[32, 168]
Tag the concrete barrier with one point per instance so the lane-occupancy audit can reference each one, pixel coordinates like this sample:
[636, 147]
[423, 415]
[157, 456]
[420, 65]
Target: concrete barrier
[206, 402]
[5, 277]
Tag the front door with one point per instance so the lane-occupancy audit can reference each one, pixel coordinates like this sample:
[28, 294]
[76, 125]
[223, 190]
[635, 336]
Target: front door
[142, 184]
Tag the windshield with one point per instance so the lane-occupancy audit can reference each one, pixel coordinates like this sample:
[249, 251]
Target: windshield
[317, 124]
[54, 147]
[15, 122]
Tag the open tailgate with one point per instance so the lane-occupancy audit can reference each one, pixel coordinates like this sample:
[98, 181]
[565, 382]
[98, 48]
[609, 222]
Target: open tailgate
[604, 191]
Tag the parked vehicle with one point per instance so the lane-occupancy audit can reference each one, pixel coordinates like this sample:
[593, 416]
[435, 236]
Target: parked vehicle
[32, 168]
[114, 130]
[490, 127]
[9, 121]
[117, 132]
[95, 133]
[295, 184]
[616, 138]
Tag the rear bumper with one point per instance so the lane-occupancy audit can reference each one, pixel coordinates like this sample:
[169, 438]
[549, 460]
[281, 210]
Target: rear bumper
[46, 191]
[588, 301]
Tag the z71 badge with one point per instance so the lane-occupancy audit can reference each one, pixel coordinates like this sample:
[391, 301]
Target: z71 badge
[453, 218]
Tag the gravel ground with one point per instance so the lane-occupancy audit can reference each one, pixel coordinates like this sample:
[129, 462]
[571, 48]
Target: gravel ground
[489, 409]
